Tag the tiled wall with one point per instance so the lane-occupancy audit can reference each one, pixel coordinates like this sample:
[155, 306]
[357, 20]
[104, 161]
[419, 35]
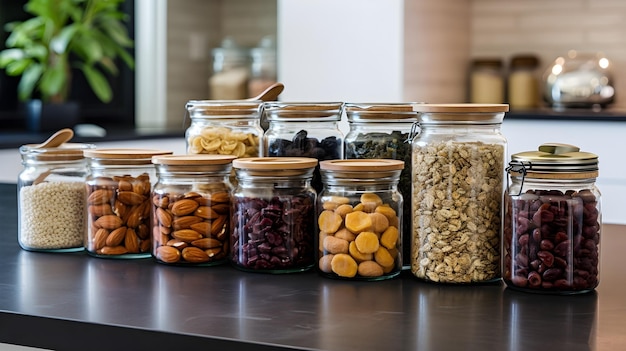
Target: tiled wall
[551, 28]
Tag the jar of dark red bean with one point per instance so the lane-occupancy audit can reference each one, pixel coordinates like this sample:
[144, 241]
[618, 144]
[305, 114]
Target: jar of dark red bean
[304, 130]
[552, 221]
[191, 209]
[360, 219]
[273, 214]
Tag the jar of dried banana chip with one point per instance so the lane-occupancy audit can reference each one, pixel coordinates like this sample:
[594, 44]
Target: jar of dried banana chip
[458, 170]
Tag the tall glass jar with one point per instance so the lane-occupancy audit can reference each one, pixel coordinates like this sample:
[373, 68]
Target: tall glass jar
[383, 131]
[552, 221]
[119, 186]
[458, 171]
[51, 198]
[360, 219]
[191, 209]
[273, 217]
[304, 130]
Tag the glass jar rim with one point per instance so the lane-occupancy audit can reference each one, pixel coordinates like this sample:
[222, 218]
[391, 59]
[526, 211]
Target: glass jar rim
[224, 108]
[381, 112]
[64, 152]
[303, 111]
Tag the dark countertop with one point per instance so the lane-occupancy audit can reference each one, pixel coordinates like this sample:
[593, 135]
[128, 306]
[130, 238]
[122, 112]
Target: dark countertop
[78, 302]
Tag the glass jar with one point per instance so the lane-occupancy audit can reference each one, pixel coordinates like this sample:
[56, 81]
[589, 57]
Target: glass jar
[523, 83]
[487, 81]
[360, 219]
[382, 131]
[273, 214]
[304, 130]
[552, 221]
[229, 80]
[51, 198]
[191, 209]
[224, 127]
[263, 66]
[458, 171]
[119, 186]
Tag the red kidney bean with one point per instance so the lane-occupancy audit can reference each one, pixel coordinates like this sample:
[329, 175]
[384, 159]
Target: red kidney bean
[275, 234]
[551, 240]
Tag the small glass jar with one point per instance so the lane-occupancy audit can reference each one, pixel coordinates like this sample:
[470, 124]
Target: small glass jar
[360, 219]
[51, 198]
[191, 209]
[263, 66]
[383, 131]
[224, 128]
[552, 221]
[523, 83]
[304, 130]
[119, 186]
[487, 81]
[458, 171]
[231, 72]
[273, 217]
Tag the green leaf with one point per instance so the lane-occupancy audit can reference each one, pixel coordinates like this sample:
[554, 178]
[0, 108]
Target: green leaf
[29, 80]
[98, 83]
[88, 48]
[117, 32]
[10, 55]
[16, 68]
[60, 42]
[53, 81]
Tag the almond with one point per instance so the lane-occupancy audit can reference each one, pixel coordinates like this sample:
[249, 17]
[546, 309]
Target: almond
[124, 185]
[161, 201]
[135, 216]
[99, 239]
[184, 207]
[113, 250]
[206, 243]
[143, 231]
[119, 208]
[222, 196]
[186, 235]
[163, 217]
[214, 252]
[131, 241]
[221, 208]
[141, 187]
[116, 237]
[109, 222]
[177, 244]
[218, 226]
[167, 254]
[185, 222]
[203, 228]
[130, 198]
[206, 212]
[98, 210]
[194, 255]
[145, 246]
[100, 196]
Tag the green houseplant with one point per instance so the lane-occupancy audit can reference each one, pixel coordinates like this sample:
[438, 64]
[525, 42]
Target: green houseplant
[64, 37]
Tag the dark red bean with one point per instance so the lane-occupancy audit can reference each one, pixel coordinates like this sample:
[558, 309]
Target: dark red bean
[534, 279]
[546, 258]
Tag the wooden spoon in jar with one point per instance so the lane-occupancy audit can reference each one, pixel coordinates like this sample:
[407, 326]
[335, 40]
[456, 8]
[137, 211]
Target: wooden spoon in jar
[57, 139]
[270, 94]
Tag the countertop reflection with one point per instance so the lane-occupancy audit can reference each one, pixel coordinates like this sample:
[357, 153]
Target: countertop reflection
[69, 300]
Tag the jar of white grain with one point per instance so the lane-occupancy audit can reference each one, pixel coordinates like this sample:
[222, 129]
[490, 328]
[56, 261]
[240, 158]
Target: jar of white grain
[51, 197]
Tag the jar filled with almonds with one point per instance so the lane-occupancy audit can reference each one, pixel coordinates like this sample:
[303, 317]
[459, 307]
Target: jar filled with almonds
[273, 216]
[359, 219]
[552, 221]
[51, 197]
[458, 170]
[191, 209]
[304, 130]
[119, 188]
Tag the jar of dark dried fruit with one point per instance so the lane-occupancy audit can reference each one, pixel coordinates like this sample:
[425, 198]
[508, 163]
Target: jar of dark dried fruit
[458, 181]
[383, 131]
[552, 221]
[360, 219]
[191, 209]
[273, 214]
[119, 186]
[304, 130]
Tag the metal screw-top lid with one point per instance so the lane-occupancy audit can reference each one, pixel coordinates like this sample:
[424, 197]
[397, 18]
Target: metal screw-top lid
[555, 160]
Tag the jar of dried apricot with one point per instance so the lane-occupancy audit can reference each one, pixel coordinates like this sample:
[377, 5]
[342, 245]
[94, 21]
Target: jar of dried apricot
[191, 209]
[119, 186]
[360, 219]
[273, 217]
[458, 171]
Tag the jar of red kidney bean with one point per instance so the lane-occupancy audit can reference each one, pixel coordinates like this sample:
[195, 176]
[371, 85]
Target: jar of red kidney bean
[552, 221]
[273, 214]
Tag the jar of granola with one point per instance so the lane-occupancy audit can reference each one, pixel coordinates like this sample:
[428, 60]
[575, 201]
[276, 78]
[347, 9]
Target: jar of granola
[458, 170]
[360, 219]
[191, 209]
[552, 221]
[119, 187]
